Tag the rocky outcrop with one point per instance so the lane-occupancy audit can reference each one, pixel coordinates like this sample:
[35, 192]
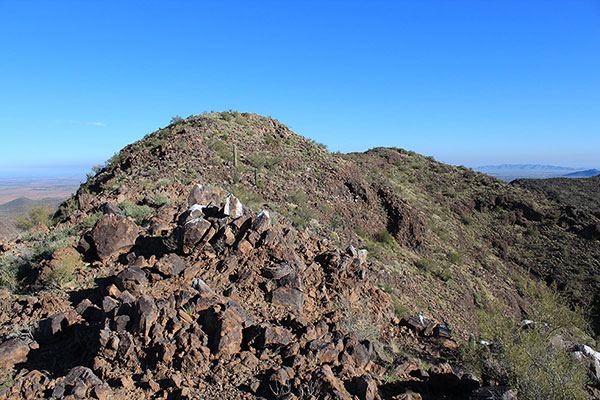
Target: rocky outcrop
[113, 234]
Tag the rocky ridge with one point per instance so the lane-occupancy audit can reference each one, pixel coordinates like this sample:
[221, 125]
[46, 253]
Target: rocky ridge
[257, 284]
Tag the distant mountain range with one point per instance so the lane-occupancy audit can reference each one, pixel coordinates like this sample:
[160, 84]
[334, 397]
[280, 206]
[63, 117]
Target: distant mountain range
[509, 172]
[22, 205]
[588, 173]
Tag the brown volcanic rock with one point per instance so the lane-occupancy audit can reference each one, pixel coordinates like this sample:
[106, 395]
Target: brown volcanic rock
[12, 352]
[113, 234]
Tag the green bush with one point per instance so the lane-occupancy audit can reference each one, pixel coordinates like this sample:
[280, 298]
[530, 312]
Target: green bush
[63, 271]
[37, 215]
[527, 359]
[91, 219]
[454, 258]
[385, 238]
[138, 213]
[163, 183]
[44, 244]
[161, 200]
[176, 120]
[9, 272]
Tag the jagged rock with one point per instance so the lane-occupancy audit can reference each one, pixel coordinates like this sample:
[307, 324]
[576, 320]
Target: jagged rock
[113, 234]
[193, 212]
[324, 352]
[194, 232]
[282, 376]
[277, 271]
[51, 326]
[494, 392]
[205, 196]
[365, 387]
[410, 395]
[80, 383]
[224, 328]
[85, 201]
[262, 222]
[31, 386]
[170, 265]
[12, 352]
[132, 280]
[146, 314]
[110, 208]
[288, 296]
[233, 207]
[266, 335]
[332, 383]
[201, 286]
[359, 351]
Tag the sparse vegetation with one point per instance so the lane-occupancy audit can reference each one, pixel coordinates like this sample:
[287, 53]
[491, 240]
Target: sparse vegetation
[9, 272]
[137, 212]
[528, 356]
[91, 219]
[62, 271]
[37, 215]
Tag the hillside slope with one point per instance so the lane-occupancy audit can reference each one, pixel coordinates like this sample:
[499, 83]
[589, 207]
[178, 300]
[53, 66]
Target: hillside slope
[280, 304]
[583, 193]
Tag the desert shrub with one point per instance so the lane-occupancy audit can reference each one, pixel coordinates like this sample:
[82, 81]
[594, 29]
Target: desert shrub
[176, 120]
[91, 219]
[110, 185]
[163, 183]
[9, 272]
[426, 264]
[44, 244]
[248, 197]
[62, 271]
[221, 148]
[68, 207]
[454, 258]
[434, 268]
[37, 215]
[161, 200]
[356, 320]
[466, 219]
[385, 238]
[525, 357]
[138, 213]
[302, 216]
[298, 197]
[400, 310]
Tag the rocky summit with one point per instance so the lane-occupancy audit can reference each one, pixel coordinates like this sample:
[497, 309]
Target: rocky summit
[225, 257]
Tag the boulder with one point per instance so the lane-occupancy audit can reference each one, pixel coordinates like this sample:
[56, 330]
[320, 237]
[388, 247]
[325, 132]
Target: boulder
[262, 222]
[194, 232]
[110, 208]
[113, 234]
[132, 279]
[85, 201]
[146, 314]
[233, 207]
[195, 211]
[12, 352]
[224, 329]
[288, 297]
[170, 265]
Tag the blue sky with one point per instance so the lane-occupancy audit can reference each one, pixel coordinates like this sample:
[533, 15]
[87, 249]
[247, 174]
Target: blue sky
[469, 82]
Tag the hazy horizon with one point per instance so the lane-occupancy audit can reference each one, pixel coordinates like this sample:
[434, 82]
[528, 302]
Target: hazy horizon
[469, 83]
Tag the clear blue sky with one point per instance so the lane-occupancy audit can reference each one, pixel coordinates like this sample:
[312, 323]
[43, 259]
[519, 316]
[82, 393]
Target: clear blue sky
[469, 82]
